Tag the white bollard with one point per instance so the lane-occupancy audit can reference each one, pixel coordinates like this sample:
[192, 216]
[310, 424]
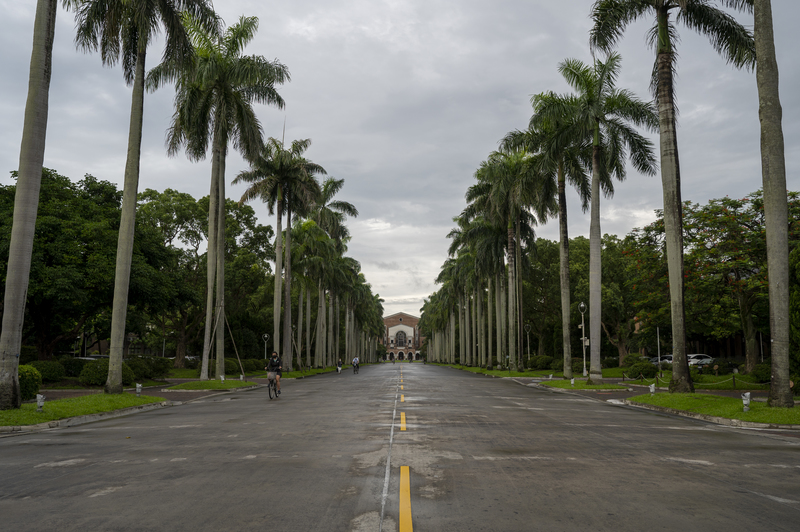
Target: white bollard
[572, 382]
[241, 377]
[222, 378]
[138, 390]
[40, 402]
[652, 389]
[746, 401]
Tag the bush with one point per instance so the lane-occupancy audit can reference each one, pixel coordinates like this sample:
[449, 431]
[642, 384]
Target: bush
[796, 388]
[232, 367]
[762, 372]
[632, 359]
[30, 380]
[557, 364]
[160, 366]
[141, 369]
[96, 373]
[646, 369]
[50, 370]
[541, 362]
[577, 366]
[253, 364]
[191, 363]
[666, 366]
[72, 366]
[610, 362]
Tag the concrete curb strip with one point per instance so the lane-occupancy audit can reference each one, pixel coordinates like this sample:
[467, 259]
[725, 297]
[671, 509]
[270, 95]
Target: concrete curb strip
[226, 390]
[712, 419]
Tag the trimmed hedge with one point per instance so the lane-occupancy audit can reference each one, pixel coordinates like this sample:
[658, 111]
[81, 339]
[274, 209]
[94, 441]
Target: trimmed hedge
[645, 369]
[541, 362]
[50, 370]
[96, 373]
[73, 366]
[30, 380]
[762, 372]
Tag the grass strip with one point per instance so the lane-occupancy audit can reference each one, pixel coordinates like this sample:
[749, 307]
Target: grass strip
[581, 385]
[72, 407]
[726, 407]
[503, 372]
[228, 384]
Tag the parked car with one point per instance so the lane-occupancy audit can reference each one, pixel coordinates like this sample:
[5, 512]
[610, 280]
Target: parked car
[700, 360]
[664, 358]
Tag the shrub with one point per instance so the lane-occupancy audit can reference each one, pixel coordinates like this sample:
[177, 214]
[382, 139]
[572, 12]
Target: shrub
[141, 368]
[96, 373]
[30, 380]
[796, 388]
[50, 370]
[632, 359]
[666, 366]
[762, 372]
[577, 366]
[160, 366]
[72, 366]
[610, 362]
[646, 369]
[191, 363]
[541, 362]
[557, 364]
[253, 364]
[232, 367]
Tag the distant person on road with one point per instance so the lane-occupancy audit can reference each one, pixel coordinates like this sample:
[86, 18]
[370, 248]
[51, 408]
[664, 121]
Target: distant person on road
[355, 364]
[275, 366]
[339, 366]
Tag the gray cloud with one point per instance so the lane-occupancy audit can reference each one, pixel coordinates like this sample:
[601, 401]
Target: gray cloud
[404, 100]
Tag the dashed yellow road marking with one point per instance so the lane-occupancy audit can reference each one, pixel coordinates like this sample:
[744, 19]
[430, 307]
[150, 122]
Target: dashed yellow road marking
[405, 501]
[402, 421]
[402, 398]
[401, 386]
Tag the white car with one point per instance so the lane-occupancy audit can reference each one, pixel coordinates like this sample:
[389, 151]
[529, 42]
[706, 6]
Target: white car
[700, 360]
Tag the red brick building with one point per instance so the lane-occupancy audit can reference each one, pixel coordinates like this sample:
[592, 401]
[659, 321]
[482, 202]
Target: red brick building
[401, 337]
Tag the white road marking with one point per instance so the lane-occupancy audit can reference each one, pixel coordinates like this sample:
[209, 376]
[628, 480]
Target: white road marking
[776, 499]
[388, 460]
[232, 435]
[249, 456]
[183, 426]
[687, 461]
[178, 459]
[63, 463]
[106, 491]
[493, 458]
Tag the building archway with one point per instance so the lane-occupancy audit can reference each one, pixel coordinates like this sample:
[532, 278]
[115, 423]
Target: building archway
[400, 356]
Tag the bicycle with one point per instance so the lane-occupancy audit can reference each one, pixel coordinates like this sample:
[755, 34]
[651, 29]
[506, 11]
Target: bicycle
[272, 386]
[355, 368]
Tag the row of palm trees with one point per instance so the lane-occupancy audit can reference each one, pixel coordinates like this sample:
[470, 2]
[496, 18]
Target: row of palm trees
[593, 132]
[216, 87]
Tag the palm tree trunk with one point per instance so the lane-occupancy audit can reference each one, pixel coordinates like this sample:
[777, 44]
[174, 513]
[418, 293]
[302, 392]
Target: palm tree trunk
[308, 328]
[773, 175]
[276, 300]
[300, 328]
[673, 216]
[512, 309]
[26, 202]
[460, 330]
[331, 324]
[489, 302]
[127, 227]
[220, 334]
[563, 252]
[337, 337]
[498, 296]
[211, 260]
[287, 296]
[518, 271]
[595, 277]
[320, 334]
[502, 357]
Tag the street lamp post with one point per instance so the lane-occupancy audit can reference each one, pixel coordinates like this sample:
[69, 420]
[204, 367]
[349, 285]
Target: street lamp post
[265, 336]
[582, 309]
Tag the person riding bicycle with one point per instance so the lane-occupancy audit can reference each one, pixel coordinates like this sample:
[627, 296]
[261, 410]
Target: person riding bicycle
[339, 366]
[355, 364]
[275, 366]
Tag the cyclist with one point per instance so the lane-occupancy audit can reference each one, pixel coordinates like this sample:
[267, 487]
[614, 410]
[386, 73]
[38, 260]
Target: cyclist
[339, 366]
[355, 364]
[274, 366]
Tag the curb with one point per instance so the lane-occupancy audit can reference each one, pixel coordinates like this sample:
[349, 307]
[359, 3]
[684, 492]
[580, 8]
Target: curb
[738, 423]
[239, 389]
[80, 420]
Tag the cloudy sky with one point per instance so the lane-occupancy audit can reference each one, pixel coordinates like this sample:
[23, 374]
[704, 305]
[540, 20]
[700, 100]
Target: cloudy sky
[404, 99]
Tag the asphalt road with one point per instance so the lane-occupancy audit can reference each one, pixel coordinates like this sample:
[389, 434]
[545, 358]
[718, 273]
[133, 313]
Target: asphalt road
[478, 454]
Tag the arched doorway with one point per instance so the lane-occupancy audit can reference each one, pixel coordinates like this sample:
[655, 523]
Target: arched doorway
[400, 356]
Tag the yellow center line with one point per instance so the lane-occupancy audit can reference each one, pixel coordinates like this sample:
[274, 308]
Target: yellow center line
[402, 398]
[402, 421]
[401, 386]
[405, 501]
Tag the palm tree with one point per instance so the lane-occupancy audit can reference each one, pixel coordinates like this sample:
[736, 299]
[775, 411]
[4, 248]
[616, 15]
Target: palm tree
[561, 160]
[124, 30]
[606, 115]
[26, 202]
[773, 170]
[214, 101]
[284, 178]
[732, 41]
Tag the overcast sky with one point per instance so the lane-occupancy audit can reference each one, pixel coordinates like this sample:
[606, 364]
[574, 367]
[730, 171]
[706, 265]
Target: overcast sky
[404, 99]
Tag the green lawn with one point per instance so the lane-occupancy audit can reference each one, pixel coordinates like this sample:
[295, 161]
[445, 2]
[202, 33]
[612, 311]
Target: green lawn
[504, 372]
[727, 407]
[76, 406]
[229, 384]
[580, 384]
